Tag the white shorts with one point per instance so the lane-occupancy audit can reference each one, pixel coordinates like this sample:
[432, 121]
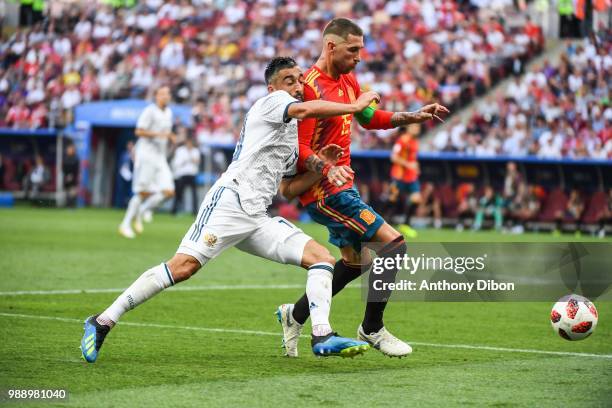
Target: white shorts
[152, 175]
[222, 223]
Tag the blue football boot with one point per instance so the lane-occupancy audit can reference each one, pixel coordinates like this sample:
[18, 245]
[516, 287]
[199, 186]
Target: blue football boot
[92, 340]
[335, 345]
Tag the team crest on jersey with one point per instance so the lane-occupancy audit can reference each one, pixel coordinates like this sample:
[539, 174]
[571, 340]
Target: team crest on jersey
[367, 216]
[340, 92]
[210, 239]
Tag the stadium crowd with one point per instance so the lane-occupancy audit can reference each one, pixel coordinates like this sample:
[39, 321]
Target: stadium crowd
[214, 54]
[554, 111]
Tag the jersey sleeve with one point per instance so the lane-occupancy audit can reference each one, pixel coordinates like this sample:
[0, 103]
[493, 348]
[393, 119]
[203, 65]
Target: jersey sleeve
[275, 106]
[145, 119]
[306, 130]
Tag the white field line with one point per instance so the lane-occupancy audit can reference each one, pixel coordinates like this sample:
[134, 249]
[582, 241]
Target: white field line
[178, 289]
[263, 333]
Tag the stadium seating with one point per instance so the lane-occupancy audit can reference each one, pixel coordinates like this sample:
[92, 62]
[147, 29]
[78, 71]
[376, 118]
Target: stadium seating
[554, 111]
[215, 55]
[595, 208]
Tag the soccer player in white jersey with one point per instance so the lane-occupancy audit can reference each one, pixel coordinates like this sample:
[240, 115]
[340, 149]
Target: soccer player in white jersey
[152, 182]
[233, 213]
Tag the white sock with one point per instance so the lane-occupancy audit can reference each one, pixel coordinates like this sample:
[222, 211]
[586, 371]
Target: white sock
[145, 287]
[319, 293]
[132, 210]
[151, 203]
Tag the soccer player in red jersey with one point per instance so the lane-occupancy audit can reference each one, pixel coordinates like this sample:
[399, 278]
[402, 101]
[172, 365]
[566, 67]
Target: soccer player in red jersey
[332, 200]
[405, 174]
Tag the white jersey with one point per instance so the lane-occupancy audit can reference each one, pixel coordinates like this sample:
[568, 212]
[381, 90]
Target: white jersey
[267, 151]
[153, 119]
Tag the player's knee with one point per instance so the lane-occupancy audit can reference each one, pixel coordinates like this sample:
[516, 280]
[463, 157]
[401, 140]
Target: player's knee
[326, 256]
[182, 267]
[397, 246]
[169, 193]
[316, 253]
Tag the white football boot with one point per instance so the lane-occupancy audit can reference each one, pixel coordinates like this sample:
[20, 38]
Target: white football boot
[291, 329]
[126, 231]
[385, 342]
[138, 227]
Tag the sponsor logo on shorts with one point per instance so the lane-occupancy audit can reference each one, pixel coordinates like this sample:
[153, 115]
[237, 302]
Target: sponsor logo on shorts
[367, 216]
[210, 239]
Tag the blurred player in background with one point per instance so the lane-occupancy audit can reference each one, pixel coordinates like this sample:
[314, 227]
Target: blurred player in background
[152, 181]
[70, 169]
[185, 164]
[234, 213]
[405, 175]
[333, 201]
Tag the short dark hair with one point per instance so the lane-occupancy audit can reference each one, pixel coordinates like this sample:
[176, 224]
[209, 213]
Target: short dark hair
[342, 27]
[276, 65]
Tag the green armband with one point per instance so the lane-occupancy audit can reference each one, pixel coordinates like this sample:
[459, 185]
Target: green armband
[365, 116]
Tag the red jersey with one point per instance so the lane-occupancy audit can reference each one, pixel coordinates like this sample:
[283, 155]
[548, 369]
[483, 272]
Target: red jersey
[406, 147]
[313, 134]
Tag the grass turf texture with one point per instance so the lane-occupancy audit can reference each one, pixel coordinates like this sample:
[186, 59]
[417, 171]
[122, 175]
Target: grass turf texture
[188, 364]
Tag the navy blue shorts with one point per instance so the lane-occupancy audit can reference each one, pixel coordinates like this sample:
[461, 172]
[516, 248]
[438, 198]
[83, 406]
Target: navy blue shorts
[348, 219]
[407, 188]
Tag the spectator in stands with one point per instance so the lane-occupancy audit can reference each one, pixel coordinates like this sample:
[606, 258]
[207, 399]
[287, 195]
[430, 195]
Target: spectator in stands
[38, 117]
[467, 204]
[490, 204]
[573, 212]
[526, 208]
[605, 218]
[37, 178]
[430, 205]
[185, 166]
[18, 115]
[513, 186]
[70, 169]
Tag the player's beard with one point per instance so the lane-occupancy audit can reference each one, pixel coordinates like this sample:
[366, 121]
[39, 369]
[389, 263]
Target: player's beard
[299, 96]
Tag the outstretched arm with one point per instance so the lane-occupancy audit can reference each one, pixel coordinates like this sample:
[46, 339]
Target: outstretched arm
[321, 109]
[371, 118]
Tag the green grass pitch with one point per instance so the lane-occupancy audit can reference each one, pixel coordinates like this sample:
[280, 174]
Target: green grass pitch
[221, 346]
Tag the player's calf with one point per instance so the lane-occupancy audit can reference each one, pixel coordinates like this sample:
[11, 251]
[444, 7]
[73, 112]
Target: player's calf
[149, 284]
[183, 267]
[372, 329]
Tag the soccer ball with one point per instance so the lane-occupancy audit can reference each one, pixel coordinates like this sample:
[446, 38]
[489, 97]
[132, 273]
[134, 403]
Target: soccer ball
[574, 317]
